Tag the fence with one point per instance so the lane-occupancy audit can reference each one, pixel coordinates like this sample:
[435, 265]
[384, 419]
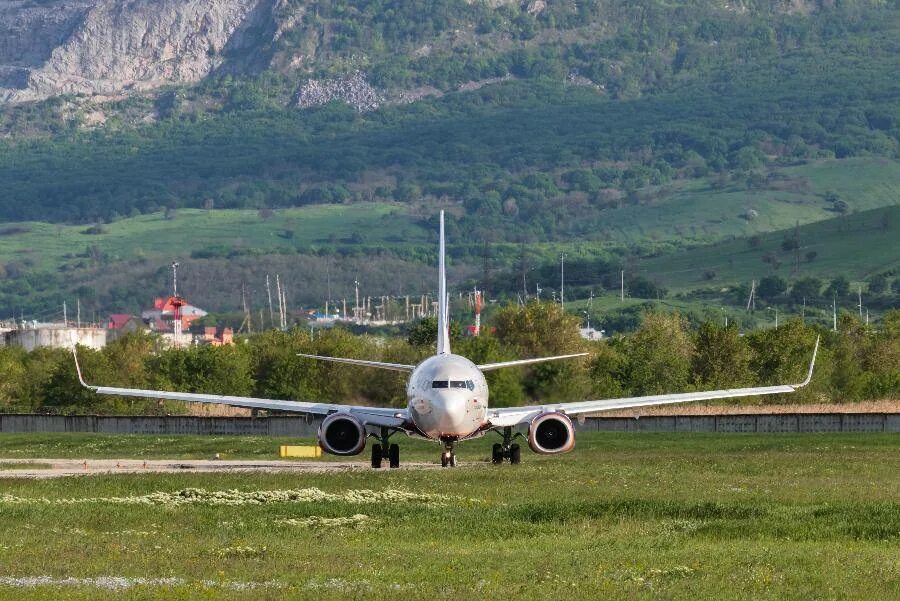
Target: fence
[305, 426]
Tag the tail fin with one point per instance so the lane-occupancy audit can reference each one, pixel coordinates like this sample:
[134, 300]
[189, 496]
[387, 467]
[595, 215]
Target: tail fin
[443, 337]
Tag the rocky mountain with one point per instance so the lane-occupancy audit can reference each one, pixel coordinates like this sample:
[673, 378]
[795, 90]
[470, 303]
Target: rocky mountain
[106, 47]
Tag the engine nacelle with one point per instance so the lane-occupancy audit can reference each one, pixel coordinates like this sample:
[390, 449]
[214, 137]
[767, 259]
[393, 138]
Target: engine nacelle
[342, 434]
[551, 433]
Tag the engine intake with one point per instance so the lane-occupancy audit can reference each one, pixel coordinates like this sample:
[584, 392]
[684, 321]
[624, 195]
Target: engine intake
[550, 433]
[342, 434]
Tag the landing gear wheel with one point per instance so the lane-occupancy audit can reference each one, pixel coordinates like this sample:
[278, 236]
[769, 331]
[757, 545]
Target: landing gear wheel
[394, 455]
[497, 454]
[445, 459]
[453, 460]
[376, 456]
[515, 454]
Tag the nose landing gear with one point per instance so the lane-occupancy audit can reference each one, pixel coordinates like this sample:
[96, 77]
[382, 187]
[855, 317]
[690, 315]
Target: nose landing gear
[448, 457]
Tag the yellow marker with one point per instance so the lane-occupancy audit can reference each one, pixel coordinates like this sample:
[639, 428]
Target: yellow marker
[307, 452]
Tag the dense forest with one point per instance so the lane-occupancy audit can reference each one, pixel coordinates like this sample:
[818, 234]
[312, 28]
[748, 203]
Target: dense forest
[664, 354]
[675, 96]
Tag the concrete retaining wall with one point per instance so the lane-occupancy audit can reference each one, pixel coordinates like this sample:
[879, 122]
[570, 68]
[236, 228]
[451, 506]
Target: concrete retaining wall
[301, 426]
[774, 422]
[173, 424]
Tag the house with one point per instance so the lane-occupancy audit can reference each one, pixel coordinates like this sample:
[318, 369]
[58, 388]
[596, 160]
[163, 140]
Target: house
[119, 324]
[214, 336]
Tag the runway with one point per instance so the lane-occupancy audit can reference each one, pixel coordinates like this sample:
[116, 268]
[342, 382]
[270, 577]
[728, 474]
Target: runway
[57, 468]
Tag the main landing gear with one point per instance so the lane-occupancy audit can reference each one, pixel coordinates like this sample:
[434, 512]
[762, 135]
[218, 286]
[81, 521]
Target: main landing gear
[448, 457]
[385, 449]
[506, 450]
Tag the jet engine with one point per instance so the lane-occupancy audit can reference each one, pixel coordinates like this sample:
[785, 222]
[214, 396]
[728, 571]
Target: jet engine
[550, 433]
[342, 434]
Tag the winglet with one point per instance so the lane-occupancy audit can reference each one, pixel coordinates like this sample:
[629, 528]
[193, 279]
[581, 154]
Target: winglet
[78, 370]
[812, 364]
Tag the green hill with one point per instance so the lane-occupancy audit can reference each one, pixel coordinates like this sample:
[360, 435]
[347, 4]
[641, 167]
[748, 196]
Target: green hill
[856, 246]
[610, 130]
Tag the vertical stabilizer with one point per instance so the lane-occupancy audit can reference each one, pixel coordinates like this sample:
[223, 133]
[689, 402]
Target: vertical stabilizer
[443, 337]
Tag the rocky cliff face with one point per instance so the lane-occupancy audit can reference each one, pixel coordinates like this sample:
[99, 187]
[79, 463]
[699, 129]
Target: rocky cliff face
[50, 47]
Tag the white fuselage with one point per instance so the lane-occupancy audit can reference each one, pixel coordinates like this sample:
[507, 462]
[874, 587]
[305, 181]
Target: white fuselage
[448, 397]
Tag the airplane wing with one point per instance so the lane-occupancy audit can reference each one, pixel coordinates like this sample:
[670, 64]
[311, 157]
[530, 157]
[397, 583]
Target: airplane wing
[373, 416]
[513, 416]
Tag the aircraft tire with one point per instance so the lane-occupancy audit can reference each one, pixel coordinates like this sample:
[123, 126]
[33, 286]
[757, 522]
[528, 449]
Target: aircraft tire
[497, 454]
[394, 455]
[376, 456]
[515, 454]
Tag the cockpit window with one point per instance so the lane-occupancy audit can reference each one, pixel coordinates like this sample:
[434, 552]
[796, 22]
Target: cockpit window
[457, 384]
[439, 384]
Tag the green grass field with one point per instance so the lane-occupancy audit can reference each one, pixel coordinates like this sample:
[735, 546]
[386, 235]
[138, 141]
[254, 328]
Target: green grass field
[636, 516]
[691, 212]
[838, 244]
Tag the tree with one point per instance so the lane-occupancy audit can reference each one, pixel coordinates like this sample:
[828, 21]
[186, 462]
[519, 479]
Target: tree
[540, 329]
[771, 287]
[721, 358]
[781, 354]
[424, 333]
[659, 355]
[806, 288]
[839, 287]
[878, 284]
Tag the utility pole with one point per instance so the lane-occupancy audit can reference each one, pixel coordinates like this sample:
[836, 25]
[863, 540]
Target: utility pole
[524, 270]
[280, 301]
[562, 280]
[174, 278]
[65, 316]
[833, 314]
[78, 312]
[622, 286]
[284, 308]
[247, 323]
[751, 302]
[269, 294]
[803, 311]
[356, 312]
[859, 296]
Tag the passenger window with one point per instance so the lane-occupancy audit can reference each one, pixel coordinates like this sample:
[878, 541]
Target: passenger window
[439, 384]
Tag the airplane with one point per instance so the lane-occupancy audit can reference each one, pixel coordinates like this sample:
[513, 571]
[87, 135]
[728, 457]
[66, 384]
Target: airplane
[447, 403]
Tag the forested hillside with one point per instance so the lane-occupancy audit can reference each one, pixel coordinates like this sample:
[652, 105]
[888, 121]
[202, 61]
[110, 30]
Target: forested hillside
[636, 127]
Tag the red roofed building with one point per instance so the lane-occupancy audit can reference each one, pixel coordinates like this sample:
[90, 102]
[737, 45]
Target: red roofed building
[117, 321]
[162, 315]
[120, 324]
